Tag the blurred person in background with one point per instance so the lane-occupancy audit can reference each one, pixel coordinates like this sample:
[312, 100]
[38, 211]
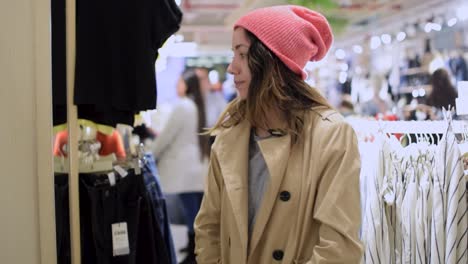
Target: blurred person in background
[182, 153]
[442, 95]
[346, 107]
[214, 99]
[378, 104]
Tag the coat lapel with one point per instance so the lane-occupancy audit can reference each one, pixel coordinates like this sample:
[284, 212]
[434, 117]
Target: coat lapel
[276, 152]
[233, 160]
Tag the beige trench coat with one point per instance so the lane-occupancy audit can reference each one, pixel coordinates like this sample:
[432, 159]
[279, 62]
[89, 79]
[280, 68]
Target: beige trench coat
[310, 212]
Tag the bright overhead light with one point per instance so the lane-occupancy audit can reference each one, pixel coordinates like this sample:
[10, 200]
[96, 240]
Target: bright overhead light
[432, 26]
[357, 49]
[375, 42]
[428, 27]
[452, 22]
[340, 54]
[343, 77]
[386, 38]
[178, 2]
[422, 92]
[462, 12]
[436, 27]
[401, 36]
[415, 93]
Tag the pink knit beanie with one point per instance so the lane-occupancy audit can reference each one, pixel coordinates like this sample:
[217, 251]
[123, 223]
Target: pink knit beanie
[294, 33]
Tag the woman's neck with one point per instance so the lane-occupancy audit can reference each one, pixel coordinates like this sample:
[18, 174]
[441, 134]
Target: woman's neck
[275, 121]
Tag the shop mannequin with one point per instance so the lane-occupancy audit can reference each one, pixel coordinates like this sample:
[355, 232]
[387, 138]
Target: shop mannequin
[109, 143]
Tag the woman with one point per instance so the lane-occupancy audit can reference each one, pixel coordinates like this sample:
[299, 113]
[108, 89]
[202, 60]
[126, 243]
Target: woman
[283, 182]
[181, 152]
[443, 93]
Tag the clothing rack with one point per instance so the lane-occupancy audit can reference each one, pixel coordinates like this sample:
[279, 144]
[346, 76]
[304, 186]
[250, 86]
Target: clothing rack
[408, 127]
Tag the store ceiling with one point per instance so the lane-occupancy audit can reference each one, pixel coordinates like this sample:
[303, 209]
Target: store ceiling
[209, 22]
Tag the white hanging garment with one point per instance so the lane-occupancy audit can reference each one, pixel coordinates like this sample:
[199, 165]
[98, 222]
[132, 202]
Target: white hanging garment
[439, 210]
[423, 212]
[388, 194]
[408, 216]
[400, 192]
[373, 222]
[456, 222]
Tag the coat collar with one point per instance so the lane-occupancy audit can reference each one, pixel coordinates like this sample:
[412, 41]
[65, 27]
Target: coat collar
[233, 159]
[232, 152]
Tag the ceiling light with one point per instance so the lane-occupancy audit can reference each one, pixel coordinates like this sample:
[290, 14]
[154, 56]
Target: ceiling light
[421, 92]
[343, 77]
[386, 38]
[452, 22]
[375, 42]
[340, 54]
[428, 27]
[357, 49]
[401, 36]
[436, 27]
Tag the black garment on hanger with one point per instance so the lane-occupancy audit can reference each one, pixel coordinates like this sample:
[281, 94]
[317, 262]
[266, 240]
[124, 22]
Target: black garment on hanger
[117, 46]
[59, 65]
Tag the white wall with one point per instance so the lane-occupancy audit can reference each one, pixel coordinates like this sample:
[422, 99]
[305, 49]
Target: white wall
[25, 132]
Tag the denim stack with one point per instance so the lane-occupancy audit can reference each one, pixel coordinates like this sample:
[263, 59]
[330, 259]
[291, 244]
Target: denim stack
[135, 199]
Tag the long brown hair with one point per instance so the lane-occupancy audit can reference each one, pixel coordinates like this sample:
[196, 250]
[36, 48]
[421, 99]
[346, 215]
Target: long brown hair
[443, 93]
[194, 92]
[273, 86]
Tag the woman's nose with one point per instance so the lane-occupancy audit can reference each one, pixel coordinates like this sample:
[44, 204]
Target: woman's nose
[230, 69]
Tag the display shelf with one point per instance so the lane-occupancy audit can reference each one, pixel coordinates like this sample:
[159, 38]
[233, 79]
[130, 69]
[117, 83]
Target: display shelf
[414, 71]
[410, 89]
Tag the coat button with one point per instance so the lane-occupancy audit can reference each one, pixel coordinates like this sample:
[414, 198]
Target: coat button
[278, 254]
[285, 196]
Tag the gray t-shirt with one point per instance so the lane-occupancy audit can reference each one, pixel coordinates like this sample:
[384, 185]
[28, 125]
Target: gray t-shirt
[258, 178]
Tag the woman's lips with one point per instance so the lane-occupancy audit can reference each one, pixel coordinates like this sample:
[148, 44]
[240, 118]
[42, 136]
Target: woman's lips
[237, 83]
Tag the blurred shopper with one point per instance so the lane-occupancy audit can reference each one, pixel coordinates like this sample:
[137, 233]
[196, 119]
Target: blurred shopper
[443, 95]
[283, 183]
[214, 99]
[182, 153]
[346, 107]
[377, 105]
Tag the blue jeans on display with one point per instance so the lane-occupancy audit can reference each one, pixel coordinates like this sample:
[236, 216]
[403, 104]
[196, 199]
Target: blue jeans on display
[153, 186]
[192, 202]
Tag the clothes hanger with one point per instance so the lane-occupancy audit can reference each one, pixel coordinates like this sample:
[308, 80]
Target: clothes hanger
[103, 164]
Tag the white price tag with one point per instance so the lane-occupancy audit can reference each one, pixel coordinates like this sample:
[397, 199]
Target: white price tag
[120, 245]
[111, 177]
[123, 173]
[136, 165]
